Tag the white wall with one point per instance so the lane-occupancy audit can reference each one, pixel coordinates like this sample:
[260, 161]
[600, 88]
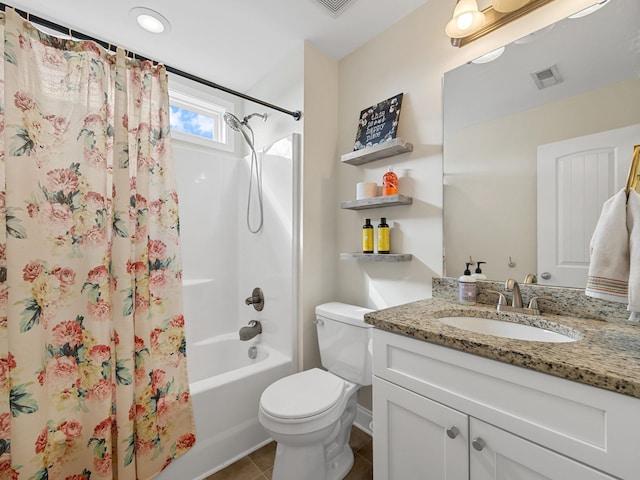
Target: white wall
[205, 180]
[266, 259]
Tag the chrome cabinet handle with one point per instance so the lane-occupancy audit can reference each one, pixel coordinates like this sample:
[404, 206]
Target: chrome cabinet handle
[452, 432]
[478, 443]
[545, 275]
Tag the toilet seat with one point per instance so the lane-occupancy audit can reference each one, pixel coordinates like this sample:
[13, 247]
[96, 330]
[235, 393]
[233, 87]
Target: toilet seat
[302, 395]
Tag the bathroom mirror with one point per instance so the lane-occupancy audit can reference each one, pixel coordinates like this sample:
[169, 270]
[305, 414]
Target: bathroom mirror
[496, 117]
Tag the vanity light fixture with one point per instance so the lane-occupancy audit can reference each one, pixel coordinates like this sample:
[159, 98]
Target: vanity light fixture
[498, 14]
[150, 20]
[590, 10]
[504, 6]
[466, 19]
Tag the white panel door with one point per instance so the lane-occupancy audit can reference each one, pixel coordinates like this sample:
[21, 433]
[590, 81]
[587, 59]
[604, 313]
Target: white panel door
[417, 438]
[498, 455]
[575, 177]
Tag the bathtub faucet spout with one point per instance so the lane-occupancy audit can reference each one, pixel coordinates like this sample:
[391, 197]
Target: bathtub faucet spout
[254, 328]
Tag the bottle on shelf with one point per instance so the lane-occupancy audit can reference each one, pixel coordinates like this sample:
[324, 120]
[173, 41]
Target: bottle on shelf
[389, 183]
[383, 236]
[367, 237]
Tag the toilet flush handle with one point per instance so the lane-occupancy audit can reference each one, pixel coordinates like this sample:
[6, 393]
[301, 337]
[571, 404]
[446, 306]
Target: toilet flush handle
[319, 322]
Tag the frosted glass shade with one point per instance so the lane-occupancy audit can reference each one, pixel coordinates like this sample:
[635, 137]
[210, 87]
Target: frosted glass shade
[504, 6]
[466, 19]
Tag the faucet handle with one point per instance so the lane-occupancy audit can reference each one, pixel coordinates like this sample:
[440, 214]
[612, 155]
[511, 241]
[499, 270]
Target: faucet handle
[502, 300]
[533, 303]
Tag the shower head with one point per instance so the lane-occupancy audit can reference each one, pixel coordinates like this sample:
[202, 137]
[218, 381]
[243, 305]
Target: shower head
[236, 124]
[233, 121]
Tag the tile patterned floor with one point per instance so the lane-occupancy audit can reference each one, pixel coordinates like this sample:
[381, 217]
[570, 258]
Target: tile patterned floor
[259, 464]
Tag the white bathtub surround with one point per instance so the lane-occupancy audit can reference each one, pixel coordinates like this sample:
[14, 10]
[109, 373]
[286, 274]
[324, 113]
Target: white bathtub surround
[223, 263]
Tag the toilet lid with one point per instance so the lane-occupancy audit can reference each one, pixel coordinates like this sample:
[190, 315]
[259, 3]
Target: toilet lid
[303, 394]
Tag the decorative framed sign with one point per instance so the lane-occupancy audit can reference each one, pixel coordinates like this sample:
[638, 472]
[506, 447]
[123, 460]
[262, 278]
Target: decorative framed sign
[378, 123]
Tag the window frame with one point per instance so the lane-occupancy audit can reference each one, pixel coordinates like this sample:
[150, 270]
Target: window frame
[196, 101]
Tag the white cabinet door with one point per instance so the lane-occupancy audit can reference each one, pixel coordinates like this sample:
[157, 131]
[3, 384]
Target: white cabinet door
[416, 438]
[498, 455]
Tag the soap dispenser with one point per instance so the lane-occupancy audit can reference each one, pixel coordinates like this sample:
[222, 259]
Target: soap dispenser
[467, 288]
[478, 275]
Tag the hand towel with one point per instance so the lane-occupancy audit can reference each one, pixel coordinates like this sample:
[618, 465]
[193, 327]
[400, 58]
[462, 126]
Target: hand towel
[608, 277]
[633, 226]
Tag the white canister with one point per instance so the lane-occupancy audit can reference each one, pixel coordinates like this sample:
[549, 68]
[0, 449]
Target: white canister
[366, 190]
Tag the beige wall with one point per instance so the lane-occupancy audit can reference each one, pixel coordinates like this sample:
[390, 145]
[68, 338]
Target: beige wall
[319, 191]
[410, 57]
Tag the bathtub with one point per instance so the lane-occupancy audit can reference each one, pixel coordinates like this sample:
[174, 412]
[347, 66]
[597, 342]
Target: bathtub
[225, 389]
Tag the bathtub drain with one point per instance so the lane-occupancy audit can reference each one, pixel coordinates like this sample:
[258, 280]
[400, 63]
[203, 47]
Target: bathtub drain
[253, 352]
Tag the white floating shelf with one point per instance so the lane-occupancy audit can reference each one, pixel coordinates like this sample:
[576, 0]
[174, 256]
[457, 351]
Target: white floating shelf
[377, 202]
[377, 257]
[376, 152]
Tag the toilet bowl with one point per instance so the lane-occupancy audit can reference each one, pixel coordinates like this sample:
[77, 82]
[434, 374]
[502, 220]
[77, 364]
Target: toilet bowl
[309, 414]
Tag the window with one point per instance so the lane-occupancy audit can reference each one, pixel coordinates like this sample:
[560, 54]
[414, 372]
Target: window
[196, 117]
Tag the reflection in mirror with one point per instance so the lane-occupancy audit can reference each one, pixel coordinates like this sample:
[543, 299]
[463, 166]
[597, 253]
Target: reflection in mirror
[496, 122]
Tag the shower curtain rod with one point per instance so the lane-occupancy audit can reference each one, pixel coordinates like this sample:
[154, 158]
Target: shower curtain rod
[296, 114]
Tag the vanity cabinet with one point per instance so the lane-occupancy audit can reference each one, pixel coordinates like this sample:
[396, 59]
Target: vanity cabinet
[440, 413]
[417, 438]
[499, 455]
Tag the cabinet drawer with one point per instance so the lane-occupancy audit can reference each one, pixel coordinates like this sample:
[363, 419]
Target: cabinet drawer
[589, 424]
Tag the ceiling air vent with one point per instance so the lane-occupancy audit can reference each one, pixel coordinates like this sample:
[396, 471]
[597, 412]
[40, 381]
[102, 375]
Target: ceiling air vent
[335, 7]
[547, 77]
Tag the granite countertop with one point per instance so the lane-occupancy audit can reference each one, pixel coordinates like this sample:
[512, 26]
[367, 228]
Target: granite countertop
[606, 355]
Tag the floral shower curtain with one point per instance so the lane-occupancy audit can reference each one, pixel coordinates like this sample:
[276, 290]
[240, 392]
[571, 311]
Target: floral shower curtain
[93, 380]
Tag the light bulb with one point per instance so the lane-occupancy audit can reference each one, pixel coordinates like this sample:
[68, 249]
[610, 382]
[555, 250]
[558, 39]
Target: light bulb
[464, 21]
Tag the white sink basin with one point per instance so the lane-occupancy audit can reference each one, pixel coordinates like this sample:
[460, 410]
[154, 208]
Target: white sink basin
[499, 328]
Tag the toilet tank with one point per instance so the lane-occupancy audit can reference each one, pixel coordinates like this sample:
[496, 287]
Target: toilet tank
[343, 339]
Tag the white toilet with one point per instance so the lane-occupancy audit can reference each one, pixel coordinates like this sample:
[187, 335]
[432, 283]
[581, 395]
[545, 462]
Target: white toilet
[310, 413]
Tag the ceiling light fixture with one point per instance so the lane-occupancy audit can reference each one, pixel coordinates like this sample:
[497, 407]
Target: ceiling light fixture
[589, 10]
[150, 20]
